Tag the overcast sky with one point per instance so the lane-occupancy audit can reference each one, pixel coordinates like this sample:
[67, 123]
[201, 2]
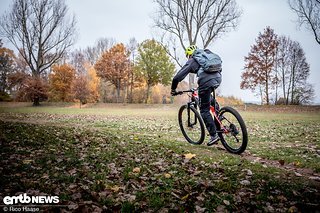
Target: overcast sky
[124, 19]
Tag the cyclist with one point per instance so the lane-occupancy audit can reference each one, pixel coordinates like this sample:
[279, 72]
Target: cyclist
[207, 82]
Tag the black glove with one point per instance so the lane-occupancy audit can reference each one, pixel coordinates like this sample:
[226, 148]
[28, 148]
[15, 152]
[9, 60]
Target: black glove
[173, 92]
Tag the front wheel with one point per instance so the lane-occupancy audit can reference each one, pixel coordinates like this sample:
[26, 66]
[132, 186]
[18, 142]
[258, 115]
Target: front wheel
[233, 131]
[191, 124]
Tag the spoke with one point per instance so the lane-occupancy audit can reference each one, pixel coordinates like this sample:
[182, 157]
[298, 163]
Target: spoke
[227, 120]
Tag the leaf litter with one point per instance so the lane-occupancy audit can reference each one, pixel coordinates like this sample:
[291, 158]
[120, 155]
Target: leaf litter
[101, 170]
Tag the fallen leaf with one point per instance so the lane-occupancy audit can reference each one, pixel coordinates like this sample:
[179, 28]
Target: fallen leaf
[27, 161]
[269, 208]
[136, 170]
[316, 178]
[245, 182]
[73, 171]
[167, 175]
[226, 202]
[282, 198]
[130, 198]
[115, 188]
[73, 206]
[189, 156]
[249, 172]
[297, 164]
[199, 209]
[185, 197]
[293, 209]
[221, 209]
[45, 176]
[76, 196]
[281, 162]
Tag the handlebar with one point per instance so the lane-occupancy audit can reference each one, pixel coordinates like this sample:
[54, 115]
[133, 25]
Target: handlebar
[185, 91]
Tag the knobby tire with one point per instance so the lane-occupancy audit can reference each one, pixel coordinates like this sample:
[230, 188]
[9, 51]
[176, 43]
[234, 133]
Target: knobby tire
[193, 112]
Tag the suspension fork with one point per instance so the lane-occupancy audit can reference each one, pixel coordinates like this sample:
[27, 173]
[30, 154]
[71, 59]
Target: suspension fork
[190, 124]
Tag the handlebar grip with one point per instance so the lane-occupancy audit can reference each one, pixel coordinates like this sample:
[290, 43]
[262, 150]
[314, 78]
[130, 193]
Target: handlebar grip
[177, 93]
[181, 92]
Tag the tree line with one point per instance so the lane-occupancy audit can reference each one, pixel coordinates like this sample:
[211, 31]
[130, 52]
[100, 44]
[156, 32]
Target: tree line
[119, 73]
[276, 70]
[43, 33]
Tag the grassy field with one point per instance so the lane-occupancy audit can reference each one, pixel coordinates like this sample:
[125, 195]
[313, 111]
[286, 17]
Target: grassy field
[128, 158]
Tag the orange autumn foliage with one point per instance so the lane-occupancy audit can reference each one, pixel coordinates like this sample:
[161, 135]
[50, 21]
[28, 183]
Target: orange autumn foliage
[60, 82]
[113, 66]
[93, 84]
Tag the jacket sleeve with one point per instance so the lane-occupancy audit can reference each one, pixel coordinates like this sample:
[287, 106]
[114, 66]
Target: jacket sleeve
[191, 66]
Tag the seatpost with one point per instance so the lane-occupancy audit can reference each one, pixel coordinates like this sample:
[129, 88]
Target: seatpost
[214, 94]
[213, 101]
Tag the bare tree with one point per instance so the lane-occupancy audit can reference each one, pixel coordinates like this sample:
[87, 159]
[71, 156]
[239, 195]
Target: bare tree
[40, 30]
[77, 59]
[92, 54]
[283, 64]
[293, 72]
[308, 12]
[132, 47]
[196, 21]
[299, 73]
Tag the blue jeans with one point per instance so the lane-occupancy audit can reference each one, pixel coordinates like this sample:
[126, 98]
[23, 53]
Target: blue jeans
[205, 102]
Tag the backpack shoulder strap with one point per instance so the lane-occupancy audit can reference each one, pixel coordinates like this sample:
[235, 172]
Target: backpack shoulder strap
[200, 56]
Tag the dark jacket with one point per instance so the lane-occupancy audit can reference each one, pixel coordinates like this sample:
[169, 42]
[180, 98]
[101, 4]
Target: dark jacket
[205, 80]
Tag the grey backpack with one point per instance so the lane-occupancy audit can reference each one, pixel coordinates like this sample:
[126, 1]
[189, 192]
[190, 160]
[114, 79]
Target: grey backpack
[208, 61]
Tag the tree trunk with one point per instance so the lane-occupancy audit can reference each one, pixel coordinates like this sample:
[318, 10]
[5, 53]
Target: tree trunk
[276, 100]
[148, 93]
[131, 88]
[288, 92]
[267, 89]
[261, 94]
[118, 90]
[36, 101]
[125, 92]
[283, 85]
[292, 88]
[191, 80]
[293, 69]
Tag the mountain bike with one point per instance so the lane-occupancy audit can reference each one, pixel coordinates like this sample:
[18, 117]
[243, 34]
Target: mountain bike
[230, 126]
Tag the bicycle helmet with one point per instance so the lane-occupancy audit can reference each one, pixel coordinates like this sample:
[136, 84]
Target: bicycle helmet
[190, 50]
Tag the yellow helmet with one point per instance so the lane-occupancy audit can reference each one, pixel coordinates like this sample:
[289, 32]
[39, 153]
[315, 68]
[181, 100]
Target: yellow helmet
[190, 50]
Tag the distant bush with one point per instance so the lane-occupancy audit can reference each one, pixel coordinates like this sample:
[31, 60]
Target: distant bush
[5, 97]
[229, 100]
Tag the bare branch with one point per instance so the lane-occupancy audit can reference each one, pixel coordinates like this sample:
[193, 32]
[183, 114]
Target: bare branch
[187, 19]
[195, 21]
[40, 30]
[308, 15]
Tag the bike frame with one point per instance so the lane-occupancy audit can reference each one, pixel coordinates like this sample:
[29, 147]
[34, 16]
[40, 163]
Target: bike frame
[194, 101]
[225, 126]
[223, 129]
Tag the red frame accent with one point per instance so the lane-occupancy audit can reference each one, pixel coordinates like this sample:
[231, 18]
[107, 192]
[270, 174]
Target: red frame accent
[195, 94]
[213, 111]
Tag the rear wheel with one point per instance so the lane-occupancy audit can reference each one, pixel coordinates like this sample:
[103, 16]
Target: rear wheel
[235, 139]
[191, 124]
